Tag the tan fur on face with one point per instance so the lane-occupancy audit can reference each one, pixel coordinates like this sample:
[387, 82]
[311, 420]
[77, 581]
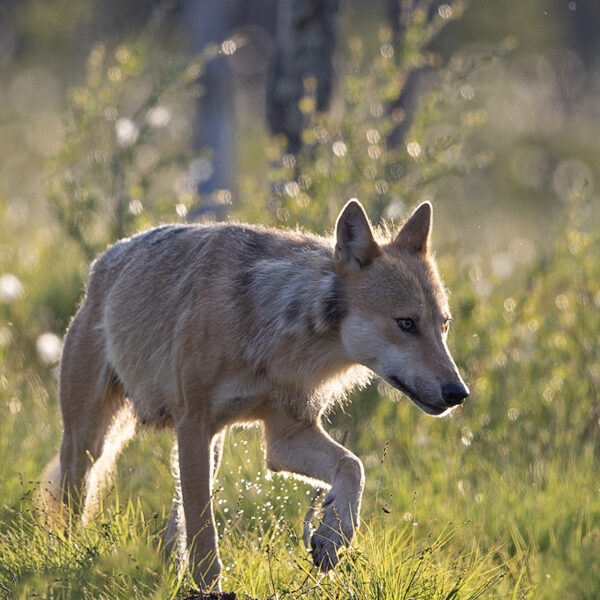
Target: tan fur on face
[397, 286]
[200, 327]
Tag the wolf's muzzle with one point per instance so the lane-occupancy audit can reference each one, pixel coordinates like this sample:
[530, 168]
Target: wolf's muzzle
[454, 393]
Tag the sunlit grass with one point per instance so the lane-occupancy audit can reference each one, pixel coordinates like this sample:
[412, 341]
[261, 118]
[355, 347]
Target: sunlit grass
[117, 556]
[383, 562]
[120, 555]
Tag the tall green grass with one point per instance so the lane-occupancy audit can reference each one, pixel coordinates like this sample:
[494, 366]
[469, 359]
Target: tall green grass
[120, 555]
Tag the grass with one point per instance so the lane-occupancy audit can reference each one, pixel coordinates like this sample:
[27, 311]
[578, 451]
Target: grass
[120, 555]
[401, 552]
[117, 556]
[501, 500]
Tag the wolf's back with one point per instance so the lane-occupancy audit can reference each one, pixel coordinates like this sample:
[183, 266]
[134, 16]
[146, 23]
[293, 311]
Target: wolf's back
[228, 296]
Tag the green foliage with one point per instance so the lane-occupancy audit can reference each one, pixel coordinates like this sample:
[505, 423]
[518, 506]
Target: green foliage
[125, 144]
[500, 500]
[355, 151]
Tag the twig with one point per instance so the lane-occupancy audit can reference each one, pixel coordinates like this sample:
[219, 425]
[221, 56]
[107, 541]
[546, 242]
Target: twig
[274, 596]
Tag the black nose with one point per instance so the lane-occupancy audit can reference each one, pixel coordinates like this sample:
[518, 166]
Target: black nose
[454, 393]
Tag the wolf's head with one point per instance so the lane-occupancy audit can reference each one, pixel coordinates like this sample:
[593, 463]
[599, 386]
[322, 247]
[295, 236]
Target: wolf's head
[397, 319]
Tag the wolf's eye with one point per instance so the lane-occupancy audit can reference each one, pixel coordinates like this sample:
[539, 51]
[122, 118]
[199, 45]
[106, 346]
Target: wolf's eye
[446, 325]
[407, 325]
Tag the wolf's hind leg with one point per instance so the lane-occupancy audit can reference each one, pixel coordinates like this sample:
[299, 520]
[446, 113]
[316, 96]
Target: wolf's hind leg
[174, 538]
[306, 449]
[217, 452]
[97, 420]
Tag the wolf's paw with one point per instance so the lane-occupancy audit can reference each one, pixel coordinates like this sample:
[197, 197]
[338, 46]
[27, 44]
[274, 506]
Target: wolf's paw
[329, 537]
[324, 552]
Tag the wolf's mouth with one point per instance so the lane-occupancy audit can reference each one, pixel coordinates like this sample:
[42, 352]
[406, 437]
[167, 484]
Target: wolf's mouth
[430, 409]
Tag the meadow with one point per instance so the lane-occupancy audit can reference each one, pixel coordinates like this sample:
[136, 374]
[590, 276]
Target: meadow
[499, 500]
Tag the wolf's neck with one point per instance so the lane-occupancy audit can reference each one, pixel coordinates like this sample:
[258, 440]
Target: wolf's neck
[298, 304]
[299, 296]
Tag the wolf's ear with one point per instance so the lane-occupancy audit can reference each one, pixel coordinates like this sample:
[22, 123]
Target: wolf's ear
[414, 235]
[355, 247]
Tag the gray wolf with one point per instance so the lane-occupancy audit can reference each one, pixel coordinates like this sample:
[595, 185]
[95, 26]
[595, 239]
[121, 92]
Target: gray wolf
[199, 327]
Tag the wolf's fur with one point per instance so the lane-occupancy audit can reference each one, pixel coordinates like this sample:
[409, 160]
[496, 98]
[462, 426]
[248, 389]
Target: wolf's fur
[200, 327]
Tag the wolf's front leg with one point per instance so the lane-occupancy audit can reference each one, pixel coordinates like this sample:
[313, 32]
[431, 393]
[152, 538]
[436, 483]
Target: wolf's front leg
[195, 466]
[306, 449]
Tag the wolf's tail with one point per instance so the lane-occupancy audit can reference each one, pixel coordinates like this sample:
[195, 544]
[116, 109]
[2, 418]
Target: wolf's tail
[49, 492]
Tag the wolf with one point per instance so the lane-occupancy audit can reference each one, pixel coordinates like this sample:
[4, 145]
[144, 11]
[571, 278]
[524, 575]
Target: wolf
[201, 327]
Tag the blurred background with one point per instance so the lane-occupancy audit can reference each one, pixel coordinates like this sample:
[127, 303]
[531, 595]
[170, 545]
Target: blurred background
[115, 117]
